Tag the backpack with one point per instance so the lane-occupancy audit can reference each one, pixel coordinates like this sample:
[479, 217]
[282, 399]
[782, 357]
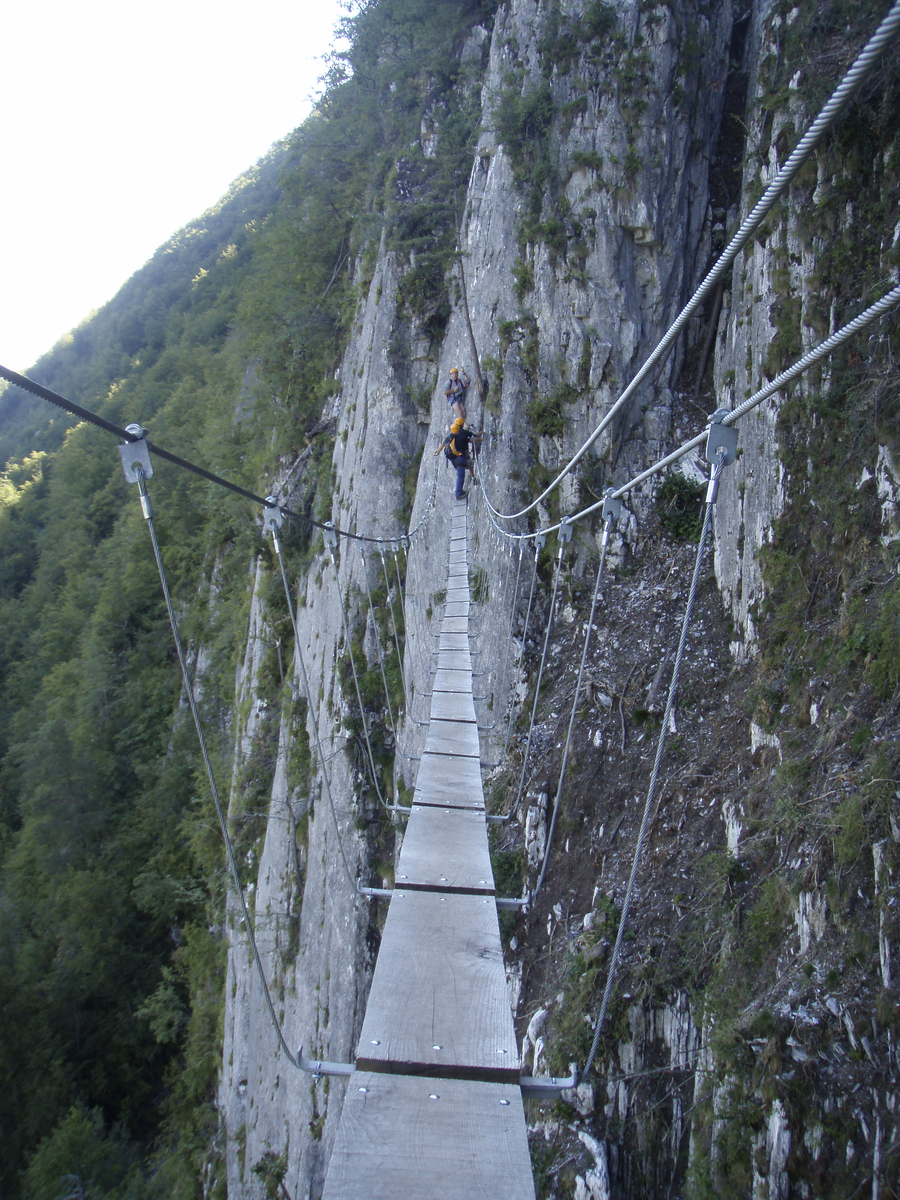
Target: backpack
[449, 454]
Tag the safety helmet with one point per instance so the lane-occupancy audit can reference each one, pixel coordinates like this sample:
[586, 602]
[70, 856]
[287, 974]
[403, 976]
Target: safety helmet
[454, 370]
[457, 425]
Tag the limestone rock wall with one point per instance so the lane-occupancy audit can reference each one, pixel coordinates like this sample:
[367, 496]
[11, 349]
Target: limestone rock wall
[631, 143]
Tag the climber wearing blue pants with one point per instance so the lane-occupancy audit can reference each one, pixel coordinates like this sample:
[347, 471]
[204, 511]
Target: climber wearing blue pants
[460, 450]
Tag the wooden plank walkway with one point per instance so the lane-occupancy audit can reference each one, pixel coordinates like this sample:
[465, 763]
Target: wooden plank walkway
[433, 1109]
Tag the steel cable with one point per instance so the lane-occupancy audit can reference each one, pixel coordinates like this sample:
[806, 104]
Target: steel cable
[841, 97]
[309, 705]
[540, 677]
[512, 706]
[362, 712]
[657, 763]
[129, 435]
[565, 756]
[195, 713]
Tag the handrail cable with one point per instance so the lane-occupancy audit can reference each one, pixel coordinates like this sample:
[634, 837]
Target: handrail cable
[789, 375]
[140, 478]
[134, 433]
[840, 98]
[563, 542]
[611, 515]
[721, 459]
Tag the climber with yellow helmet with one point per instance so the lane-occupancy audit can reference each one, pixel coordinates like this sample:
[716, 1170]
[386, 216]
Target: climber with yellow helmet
[455, 390]
[460, 448]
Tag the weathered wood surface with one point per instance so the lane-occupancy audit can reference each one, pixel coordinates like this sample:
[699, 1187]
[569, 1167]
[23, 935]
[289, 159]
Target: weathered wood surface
[450, 1017]
[445, 850]
[449, 680]
[456, 608]
[454, 641]
[454, 660]
[457, 784]
[405, 1138]
[434, 1109]
[452, 706]
[453, 738]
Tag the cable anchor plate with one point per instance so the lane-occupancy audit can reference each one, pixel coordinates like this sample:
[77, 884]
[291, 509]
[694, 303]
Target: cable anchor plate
[136, 455]
[721, 439]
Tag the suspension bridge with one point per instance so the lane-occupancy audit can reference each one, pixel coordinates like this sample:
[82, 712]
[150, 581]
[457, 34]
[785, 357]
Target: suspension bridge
[434, 1087]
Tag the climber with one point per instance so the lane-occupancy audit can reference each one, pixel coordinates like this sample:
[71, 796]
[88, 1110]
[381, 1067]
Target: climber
[455, 390]
[456, 448]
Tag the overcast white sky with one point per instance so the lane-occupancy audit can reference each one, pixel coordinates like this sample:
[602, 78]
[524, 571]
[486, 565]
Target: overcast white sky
[119, 123]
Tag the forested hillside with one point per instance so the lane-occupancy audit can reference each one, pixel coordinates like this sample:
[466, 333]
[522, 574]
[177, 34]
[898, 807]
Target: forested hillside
[533, 189]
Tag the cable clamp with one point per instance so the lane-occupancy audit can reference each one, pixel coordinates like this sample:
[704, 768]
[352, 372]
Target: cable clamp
[721, 450]
[540, 541]
[317, 1067]
[721, 440]
[273, 518]
[136, 455]
[612, 506]
[565, 532]
[330, 536]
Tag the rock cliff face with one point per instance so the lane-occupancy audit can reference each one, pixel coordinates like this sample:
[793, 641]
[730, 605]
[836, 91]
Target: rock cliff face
[566, 296]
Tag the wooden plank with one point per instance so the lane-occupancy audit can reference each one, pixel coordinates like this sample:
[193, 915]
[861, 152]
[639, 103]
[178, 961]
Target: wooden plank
[454, 641]
[457, 594]
[454, 660]
[453, 737]
[456, 608]
[459, 788]
[455, 625]
[445, 850]
[402, 1137]
[451, 1017]
[452, 706]
[452, 681]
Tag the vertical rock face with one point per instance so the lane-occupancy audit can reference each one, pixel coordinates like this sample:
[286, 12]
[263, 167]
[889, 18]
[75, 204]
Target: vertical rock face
[584, 232]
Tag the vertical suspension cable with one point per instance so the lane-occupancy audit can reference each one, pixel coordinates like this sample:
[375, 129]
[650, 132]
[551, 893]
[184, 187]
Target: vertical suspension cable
[717, 468]
[504, 591]
[538, 546]
[380, 654]
[563, 542]
[147, 509]
[387, 584]
[387, 694]
[362, 711]
[611, 518]
[276, 541]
